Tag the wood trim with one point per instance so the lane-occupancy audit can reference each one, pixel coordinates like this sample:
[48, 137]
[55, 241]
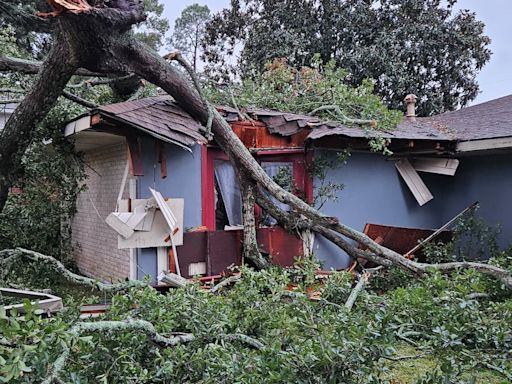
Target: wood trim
[162, 262]
[207, 189]
[485, 144]
[438, 166]
[135, 155]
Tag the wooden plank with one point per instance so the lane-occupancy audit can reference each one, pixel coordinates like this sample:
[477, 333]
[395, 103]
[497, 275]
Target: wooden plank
[135, 155]
[485, 144]
[435, 165]
[418, 188]
[117, 221]
[44, 301]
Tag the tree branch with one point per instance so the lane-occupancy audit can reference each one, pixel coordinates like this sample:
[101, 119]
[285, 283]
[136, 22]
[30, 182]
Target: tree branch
[77, 99]
[135, 325]
[339, 115]
[26, 20]
[111, 326]
[30, 67]
[13, 255]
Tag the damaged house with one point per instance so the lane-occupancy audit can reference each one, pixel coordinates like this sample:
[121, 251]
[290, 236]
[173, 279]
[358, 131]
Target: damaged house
[161, 197]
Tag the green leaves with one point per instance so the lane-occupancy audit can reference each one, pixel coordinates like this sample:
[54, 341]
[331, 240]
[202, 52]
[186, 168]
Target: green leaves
[313, 89]
[304, 341]
[415, 46]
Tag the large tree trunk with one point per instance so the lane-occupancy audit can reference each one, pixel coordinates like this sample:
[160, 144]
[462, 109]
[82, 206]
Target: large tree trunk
[18, 133]
[97, 41]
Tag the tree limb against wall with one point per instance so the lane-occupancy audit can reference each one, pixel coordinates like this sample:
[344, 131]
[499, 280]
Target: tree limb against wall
[98, 41]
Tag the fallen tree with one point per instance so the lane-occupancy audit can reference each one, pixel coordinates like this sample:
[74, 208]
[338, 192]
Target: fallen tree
[98, 40]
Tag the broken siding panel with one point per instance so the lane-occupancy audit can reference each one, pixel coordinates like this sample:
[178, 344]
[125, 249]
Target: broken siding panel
[413, 180]
[435, 165]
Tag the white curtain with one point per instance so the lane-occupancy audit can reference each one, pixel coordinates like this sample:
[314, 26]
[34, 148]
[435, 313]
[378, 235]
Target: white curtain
[229, 190]
[272, 169]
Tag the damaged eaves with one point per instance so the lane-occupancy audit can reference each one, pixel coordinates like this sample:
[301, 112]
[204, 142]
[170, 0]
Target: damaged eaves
[470, 130]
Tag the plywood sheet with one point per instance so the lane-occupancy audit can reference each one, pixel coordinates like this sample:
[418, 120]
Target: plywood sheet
[159, 230]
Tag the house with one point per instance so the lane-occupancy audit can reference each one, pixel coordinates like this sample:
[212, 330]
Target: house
[6, 110]
[440, 165]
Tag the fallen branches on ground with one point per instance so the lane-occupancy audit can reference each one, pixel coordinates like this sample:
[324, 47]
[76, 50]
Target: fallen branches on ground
[9, 257]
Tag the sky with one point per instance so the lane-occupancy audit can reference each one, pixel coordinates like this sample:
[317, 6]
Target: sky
[495, 79]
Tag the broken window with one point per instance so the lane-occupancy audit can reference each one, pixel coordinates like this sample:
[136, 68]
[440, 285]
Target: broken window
[282, 174]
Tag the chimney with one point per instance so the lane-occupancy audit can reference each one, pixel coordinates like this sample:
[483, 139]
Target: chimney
[410, 102]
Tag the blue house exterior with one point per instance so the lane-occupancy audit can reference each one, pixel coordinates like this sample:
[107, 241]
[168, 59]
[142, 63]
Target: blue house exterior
[479, 138]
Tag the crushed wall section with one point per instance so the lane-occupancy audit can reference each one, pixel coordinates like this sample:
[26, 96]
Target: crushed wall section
[94, 242]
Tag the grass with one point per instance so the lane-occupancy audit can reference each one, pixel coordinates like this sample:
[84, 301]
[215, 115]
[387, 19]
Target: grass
[411, 370]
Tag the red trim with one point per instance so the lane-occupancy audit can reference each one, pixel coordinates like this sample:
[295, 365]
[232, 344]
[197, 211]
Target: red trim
[207, 190]
[135, 155]
[300, 159]
[308, 178]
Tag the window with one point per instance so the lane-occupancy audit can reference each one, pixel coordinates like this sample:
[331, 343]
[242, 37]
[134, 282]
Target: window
[221, 193]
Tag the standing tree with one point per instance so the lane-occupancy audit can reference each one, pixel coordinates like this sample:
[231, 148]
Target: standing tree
[96, 40]
[413, 46]
[189, 30]
[155, 27]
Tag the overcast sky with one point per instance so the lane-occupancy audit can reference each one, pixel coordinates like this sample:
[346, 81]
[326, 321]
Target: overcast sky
[495, 79]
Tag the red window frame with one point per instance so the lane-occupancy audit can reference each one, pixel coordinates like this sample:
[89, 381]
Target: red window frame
[298, 157]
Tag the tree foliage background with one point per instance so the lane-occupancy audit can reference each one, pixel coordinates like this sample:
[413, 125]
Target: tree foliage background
[189, 31]
[423, 47]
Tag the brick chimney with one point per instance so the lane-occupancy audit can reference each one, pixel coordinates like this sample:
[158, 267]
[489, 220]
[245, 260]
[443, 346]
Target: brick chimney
[410, 102]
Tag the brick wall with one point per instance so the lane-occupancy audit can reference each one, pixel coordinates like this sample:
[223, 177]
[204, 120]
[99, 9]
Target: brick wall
[94, 242]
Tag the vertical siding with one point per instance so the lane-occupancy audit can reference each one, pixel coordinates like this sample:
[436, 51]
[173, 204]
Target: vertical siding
[183, 181]
[183, 177]
[95, 243]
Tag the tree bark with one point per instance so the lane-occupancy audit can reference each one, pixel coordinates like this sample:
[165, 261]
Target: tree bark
[250, 243]
[18, 133]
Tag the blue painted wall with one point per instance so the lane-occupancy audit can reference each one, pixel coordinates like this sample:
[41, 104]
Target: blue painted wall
[375, 193]
[183, 178]
[183, 181]
[488, 180]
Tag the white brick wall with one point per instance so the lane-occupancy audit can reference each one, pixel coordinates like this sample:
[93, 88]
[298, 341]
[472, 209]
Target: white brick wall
[94, 242]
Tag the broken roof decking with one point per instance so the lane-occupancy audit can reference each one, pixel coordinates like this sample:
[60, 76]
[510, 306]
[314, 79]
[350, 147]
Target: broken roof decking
[286, 124]
[489, 120]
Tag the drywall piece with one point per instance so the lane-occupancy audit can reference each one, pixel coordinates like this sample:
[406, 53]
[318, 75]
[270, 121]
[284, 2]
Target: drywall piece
[413, 180]
[436, 165]
[172, 222]
[159, 230]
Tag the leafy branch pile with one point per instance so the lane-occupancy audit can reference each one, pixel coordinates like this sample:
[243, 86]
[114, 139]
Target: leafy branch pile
[256, 332]
[317, 89]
